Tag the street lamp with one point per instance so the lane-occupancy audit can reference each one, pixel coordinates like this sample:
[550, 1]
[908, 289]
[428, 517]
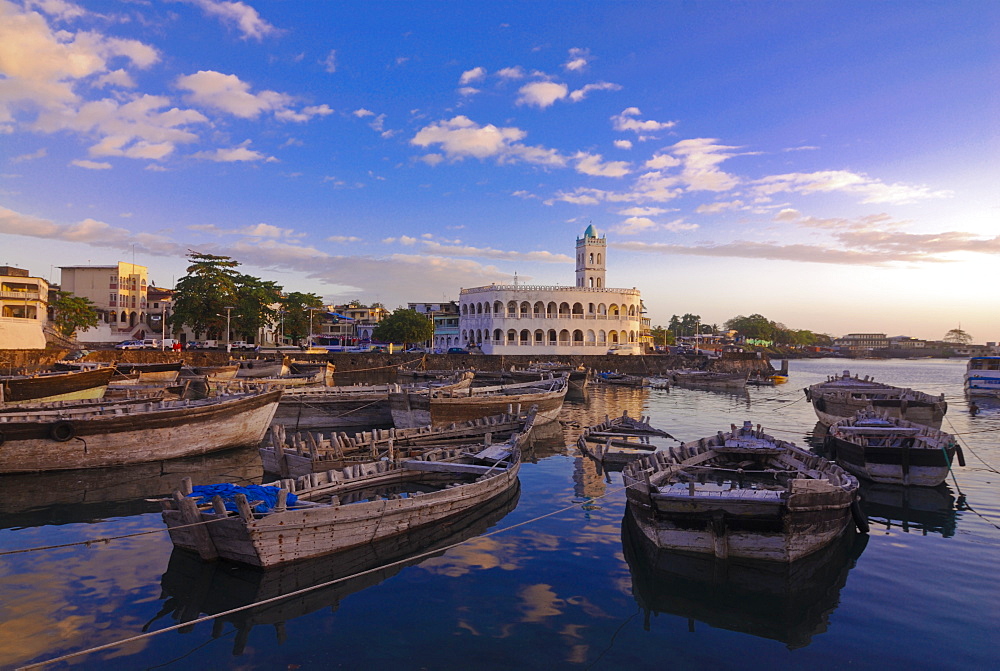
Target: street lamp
[309, 341]
[228, 310]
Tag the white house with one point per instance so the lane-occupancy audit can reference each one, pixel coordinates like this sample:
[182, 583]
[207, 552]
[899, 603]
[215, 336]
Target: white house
[584, 319]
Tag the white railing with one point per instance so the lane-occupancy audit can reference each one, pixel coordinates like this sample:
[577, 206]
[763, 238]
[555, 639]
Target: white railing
[21, 295]
[533, 287]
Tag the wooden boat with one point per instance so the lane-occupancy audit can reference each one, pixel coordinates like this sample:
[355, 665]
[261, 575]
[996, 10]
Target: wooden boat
[758, 380]
[217, 373]
[704, 379]
[63, 385]
[324, 370]
[741, 494]
[296, 454]
[313, 379]
[261, 367]
[340, 510]
[116, 434]
[786, 602]
[349, 407]
[842, 397]
[166, 371]
[442, 407]
[579, 376]
[619, 440]
[874, 446]
[982, 377]
[192, 587]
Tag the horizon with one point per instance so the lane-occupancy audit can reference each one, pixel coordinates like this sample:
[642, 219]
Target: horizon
[828, 165]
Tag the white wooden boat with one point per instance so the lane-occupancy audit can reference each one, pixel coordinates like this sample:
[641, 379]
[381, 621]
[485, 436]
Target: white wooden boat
[842, 397]
[982, 377]
[115, 434]
[300, 452]
[340, 510]
[874, 446]
[261, 367]
[741, 494]
[216, 373]
[442, 407]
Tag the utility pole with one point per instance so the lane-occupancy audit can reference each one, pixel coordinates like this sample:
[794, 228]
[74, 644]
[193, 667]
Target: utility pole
[228, 310]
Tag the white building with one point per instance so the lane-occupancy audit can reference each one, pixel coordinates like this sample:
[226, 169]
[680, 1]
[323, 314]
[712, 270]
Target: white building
[524, 319]
[118, 293]
[23, 300]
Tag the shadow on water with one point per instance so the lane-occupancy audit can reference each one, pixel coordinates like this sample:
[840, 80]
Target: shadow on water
[68, 497]
[192, 587]
[790, 603]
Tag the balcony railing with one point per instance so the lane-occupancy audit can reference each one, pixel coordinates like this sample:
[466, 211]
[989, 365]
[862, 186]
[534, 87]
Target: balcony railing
[532, 287]
[21, 295]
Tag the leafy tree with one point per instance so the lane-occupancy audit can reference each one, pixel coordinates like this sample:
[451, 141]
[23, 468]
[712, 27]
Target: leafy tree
[755, 326]
[201, 296]
[661, 336]
[405, 326]
[253, 305]
[958, 336]
[296, 306]
[73, 313]
[684, 326]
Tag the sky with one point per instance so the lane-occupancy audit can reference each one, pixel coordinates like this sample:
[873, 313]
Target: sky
[832, 166]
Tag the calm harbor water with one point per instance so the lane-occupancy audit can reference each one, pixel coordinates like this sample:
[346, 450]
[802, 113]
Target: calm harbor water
[563, 587]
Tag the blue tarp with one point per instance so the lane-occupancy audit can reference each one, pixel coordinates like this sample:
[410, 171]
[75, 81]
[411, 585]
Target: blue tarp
[268, 496]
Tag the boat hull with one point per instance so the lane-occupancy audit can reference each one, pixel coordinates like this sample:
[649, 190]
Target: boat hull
[65, 386]
[162, 430]
[830, 409]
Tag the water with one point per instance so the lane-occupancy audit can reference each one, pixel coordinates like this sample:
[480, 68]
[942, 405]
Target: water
[558, 591]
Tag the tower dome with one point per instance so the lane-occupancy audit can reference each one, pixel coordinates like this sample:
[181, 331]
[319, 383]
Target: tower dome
[591, 232]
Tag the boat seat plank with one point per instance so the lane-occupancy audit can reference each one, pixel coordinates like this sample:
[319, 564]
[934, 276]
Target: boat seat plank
[447, 467]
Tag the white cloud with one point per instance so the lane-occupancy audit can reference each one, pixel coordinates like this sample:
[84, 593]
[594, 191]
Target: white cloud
[263, 230]
[661, 161]
[330, 62]
[827, 181]
[643, 211]
[240, 154]
[626, 122]
[578, 59]
[116, 78]
[700, 157]
[460, 137]
[91, 165]
[624, 144]
[468, 91]
[511, 73]
[239, 15]
[228, 93]
[715, 208]
[41, 153]
[581, 93]
[591, 164]
[541, 94]
[473, 75]
[343, 238]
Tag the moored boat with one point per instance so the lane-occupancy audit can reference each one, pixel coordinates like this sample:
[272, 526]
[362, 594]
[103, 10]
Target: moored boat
[58, 386]
[704, 379]
[619, 440]
[325, 513]
[874, 446]
[159, 372]
[261, 367]
[841, 397]
[982, 376]
[741, 494]
[97, 436]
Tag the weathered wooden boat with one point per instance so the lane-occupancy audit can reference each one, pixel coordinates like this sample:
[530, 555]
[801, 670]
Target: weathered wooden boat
[261, 367]
[741, 494]
[317, 378]
[324, 370]
[349, 407]
[874, 446]
[578, 375]
[340, 510]
[192, 587]
[704, 379]
[217, 373]
[442, 407]
[841, 397]
[620, 440]
[64, 385]
[786, 602]
[116, 434]
[982, 377]
[759, 380]
[298, 453]
[162, 372]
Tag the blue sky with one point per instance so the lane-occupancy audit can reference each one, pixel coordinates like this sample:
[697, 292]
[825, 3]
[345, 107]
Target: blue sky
[831, 165]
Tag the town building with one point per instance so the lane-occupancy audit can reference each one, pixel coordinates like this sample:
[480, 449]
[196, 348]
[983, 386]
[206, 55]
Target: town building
[906, 342]
[445, 318]
[23, 316]
[527, 319]
[348, 325]
[120, 295]
[861, 342]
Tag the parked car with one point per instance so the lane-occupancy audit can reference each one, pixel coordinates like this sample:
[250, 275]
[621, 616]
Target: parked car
[242, 344]
[626, 349]
[129, 344]
[457, 350]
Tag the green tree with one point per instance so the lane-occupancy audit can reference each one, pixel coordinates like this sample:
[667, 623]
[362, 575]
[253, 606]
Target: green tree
[755, 326]
[73, 313]
[201, 296]
[253, 305]
[684, 326]
[297, 310]
[404, 326]
[661, 336]
[958, 336]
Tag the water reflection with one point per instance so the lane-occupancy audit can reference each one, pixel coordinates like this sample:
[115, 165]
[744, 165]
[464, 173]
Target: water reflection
[67, 497]
[790, 603]
[192, 587]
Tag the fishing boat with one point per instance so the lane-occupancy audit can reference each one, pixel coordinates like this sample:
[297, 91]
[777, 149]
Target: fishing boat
[324, 370]
[157, 372]
[298, 453]
[57, 386]
[216, 373]
[877, 447]
[741, 494]
[620, 440]
[982, 376]
[115, 434]
[704, 379]
[351, 407]
[325, 513]
[842, 397]
[261, 367]
[442, 407]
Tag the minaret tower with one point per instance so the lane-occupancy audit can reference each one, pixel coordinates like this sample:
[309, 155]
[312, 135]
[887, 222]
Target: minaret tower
[591, 257]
